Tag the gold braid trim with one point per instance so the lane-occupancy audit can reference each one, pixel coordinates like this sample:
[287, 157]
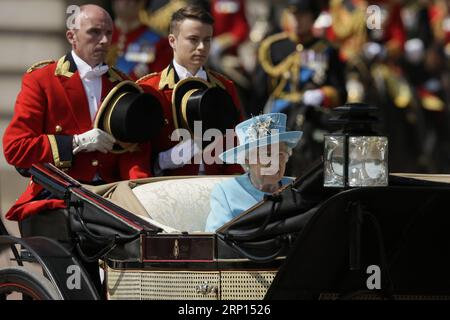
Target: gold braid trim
[147, 76]
[62, 68]
[397, 87]
[349, 27]
[167, 78]
[287, 70]
[266, 61]
[346, 23]
[116, 75]
[55, 153]
[159, 20]
[212, 76]
[39, 64]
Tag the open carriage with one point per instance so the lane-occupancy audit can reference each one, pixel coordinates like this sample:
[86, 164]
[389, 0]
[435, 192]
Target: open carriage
[306, 242]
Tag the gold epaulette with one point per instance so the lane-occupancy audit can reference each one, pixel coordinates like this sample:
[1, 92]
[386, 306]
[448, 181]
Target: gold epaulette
[146, 77]
[39, 65]
[264, 56]
[159, 20]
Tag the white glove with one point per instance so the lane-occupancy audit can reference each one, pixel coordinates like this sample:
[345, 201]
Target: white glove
[178, 155]
[313, 97]
[93, 140]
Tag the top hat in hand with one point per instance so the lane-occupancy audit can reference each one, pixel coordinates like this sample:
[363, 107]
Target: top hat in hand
[130, 116]
[194, 99]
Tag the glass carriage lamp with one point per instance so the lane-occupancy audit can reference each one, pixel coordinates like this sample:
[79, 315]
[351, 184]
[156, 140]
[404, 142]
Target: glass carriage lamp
[355, 156]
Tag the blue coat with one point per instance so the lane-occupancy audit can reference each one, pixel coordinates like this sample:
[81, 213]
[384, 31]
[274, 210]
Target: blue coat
[232, 197]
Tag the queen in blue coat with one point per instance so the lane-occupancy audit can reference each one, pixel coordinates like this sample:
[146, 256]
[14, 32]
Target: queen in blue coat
[264, 149]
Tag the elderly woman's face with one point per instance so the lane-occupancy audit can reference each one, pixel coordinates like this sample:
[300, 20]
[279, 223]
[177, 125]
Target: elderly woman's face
[271, 163]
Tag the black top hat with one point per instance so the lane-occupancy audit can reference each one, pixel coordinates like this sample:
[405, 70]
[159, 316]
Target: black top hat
[304, 6]
[194, 99]
[130, 116]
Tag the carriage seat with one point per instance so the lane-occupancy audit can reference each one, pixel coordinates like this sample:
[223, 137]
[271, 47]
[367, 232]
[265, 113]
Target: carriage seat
[181, 204]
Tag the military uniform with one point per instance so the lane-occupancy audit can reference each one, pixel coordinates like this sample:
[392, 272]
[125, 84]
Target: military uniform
[51, 107]
[165, 82]
[392, 32]
[290, 68]
[348, 26]
[229, 18]
[139, 51]
[158, 13]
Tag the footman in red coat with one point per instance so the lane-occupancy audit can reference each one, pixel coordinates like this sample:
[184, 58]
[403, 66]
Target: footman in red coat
[55, 112]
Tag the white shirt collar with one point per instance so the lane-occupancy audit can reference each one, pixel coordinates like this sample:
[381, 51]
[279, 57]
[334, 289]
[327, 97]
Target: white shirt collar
[85, 69]
[184, 73]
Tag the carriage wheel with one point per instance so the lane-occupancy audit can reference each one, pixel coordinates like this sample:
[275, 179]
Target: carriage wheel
[29, 285]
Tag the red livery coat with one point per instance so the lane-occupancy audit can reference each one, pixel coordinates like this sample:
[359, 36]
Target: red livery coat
[165, 81]
[52, 107]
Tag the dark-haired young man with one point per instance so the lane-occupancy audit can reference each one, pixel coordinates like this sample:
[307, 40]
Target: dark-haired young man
[191, 31]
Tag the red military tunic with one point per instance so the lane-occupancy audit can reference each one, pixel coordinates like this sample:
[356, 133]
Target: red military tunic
[229, 17]
[52, 107]
[165, 82]
[140, 46]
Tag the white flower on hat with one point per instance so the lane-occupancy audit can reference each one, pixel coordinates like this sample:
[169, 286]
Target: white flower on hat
[260, 128]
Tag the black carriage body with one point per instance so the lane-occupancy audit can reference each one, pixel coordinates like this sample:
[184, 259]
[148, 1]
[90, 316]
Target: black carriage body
[307, 242]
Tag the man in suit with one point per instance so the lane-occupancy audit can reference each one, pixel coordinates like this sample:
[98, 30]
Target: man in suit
[191, 31]
[54, 113]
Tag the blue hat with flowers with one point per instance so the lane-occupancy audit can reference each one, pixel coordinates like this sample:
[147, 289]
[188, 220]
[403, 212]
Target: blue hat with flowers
[260, 131]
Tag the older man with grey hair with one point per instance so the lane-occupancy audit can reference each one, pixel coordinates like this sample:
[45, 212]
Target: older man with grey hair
[54, 113]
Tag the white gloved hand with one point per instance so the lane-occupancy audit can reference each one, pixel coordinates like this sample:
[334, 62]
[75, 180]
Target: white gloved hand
[93, 140]
[178, 155]
[313, 97]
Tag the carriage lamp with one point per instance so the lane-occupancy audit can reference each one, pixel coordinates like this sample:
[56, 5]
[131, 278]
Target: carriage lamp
[355, 156]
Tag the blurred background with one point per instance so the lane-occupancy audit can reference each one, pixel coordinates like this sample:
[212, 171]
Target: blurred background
[402, 67]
